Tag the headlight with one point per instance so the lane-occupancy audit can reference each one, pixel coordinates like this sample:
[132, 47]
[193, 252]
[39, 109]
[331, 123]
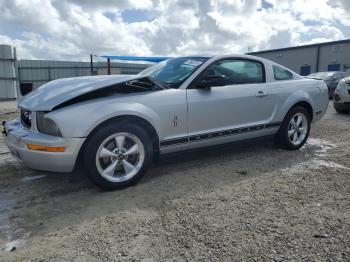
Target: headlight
[341, 84]
[26, 118]
[46, 125]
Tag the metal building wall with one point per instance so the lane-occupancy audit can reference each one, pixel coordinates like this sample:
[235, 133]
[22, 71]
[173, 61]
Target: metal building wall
[40, 72]
[294, 58]
[8, 79]
[334, 55]
[318, 56]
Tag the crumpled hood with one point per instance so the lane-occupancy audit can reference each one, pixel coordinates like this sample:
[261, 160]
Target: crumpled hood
[54, 93]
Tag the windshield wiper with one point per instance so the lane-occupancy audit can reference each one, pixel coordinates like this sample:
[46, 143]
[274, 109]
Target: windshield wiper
[159, 83]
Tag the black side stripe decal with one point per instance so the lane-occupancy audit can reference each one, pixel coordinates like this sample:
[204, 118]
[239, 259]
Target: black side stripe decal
[175, 141]
[199, 137]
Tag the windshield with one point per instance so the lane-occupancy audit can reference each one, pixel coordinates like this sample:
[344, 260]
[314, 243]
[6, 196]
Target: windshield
[322, 75]
[173, 72]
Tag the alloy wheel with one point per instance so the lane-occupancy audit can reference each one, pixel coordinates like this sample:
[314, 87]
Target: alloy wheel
[120, 157]
[297, 129]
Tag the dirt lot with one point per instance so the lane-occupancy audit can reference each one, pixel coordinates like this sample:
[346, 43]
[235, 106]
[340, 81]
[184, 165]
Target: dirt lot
[239, 202]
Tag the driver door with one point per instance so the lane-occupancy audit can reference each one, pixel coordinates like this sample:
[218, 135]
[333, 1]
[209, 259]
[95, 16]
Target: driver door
[234, 108]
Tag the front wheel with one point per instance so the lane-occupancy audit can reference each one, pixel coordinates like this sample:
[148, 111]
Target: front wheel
[117, 156]
[295, 129]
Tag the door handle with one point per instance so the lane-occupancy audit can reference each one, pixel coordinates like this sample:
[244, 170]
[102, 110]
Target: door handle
[261, 94]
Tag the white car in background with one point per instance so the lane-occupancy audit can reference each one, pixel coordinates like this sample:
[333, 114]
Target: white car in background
[342, 96]
[114, 126]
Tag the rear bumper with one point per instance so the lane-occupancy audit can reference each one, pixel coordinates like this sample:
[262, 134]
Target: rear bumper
[16, 137]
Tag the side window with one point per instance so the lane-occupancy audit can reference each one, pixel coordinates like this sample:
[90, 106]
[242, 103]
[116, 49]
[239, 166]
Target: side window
[236, 71]
[281, 73]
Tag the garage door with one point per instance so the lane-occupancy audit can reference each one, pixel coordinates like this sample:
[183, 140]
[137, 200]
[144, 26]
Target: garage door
[305, 70]
[334, 67]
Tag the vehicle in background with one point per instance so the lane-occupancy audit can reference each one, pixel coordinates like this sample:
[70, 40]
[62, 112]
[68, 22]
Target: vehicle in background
[331, 78]
[115, 126]
[342, 96]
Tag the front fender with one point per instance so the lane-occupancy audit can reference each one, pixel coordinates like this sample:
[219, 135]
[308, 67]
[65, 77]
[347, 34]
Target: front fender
[80, 119]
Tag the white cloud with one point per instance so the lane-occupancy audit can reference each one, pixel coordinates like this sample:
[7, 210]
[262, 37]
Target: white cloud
[62, 29]
[104, 5]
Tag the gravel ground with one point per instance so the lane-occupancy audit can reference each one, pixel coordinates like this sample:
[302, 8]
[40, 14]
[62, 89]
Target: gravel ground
[250, 202]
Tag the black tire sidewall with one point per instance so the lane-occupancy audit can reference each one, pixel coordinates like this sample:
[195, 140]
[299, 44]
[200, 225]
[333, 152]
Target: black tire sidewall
[340, 109]
[93, 143]
[283, 131]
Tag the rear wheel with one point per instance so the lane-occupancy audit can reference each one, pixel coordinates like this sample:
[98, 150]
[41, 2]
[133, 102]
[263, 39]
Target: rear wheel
[117, 156]
[295, 129]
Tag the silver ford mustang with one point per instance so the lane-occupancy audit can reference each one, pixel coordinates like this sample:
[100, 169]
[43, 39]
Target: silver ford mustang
[115, 126]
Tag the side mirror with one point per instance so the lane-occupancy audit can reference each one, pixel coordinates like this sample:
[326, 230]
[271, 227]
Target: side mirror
[211, 80]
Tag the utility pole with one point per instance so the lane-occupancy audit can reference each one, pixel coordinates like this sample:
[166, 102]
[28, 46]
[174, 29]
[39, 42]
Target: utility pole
[91, 64]
[109, 65]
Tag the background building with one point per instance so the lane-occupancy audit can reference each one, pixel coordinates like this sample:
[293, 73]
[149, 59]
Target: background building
[306, 59]
[24, 75]
[34, 73]
[8, 74]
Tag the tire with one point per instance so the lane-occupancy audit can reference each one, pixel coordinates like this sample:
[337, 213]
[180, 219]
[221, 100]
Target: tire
[285, 136]
[340, 109]
[109, 148]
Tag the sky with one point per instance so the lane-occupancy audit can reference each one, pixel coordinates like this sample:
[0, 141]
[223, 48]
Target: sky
[74, 29]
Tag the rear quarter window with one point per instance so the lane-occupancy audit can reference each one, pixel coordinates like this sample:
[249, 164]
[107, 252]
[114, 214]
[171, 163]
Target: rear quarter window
[280, 73]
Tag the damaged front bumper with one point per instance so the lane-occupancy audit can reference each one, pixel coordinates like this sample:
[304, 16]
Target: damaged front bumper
[17, 138]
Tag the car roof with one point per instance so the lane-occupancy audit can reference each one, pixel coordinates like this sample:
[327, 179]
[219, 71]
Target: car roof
[222, 56]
